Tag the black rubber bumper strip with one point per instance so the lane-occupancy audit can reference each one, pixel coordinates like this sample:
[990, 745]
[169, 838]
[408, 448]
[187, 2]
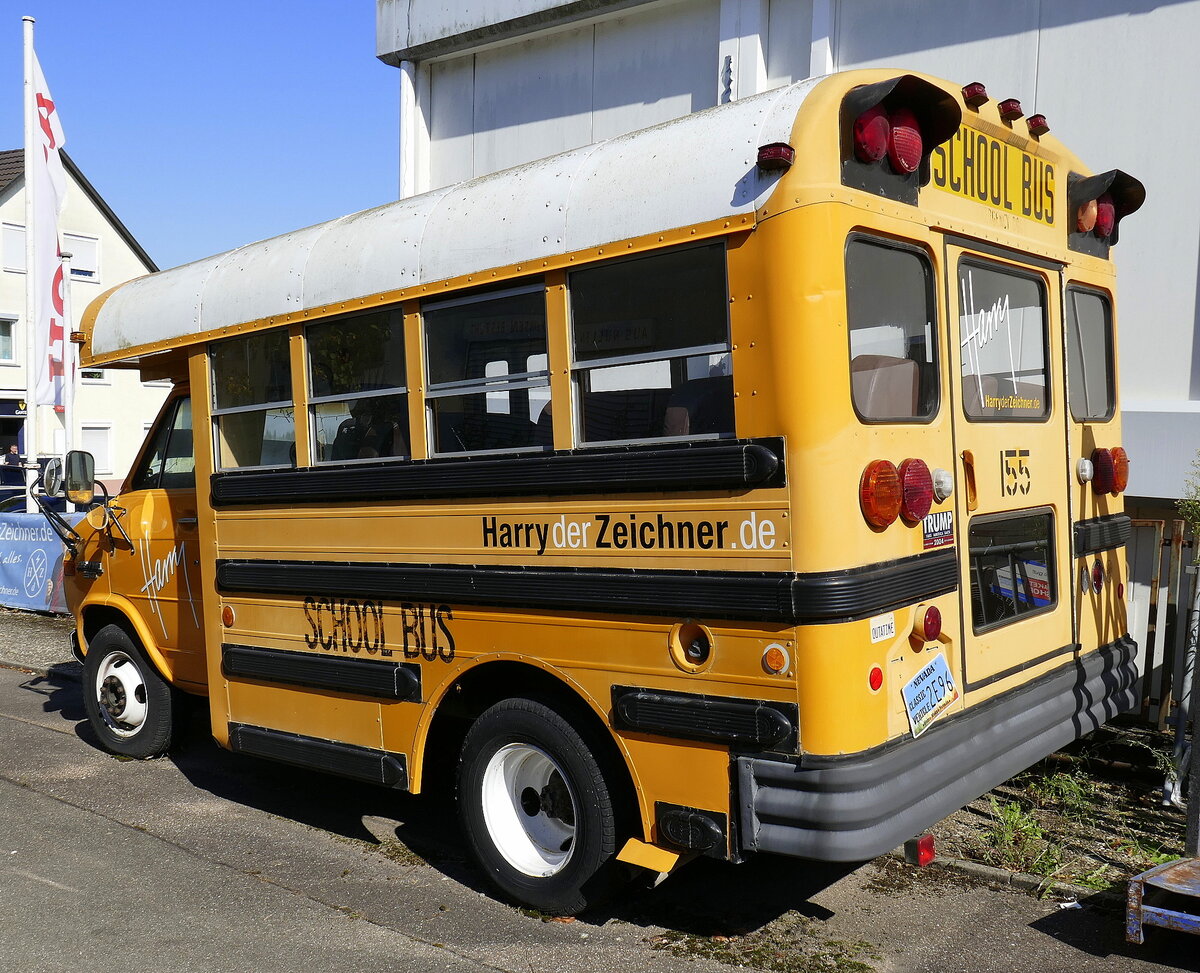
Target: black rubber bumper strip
[762, 596]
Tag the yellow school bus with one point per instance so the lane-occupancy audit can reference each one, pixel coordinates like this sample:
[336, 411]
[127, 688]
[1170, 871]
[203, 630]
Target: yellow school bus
[751, 483]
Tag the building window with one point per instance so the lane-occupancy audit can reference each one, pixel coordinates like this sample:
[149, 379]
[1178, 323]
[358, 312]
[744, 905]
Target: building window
[650, 347]
[488, 377]
[12, 242]
[893, 344]
[96, 438]
[252, 401]
[357, 389]
[93, 376]
[7, 352]
[85, 256]
[1090, 355]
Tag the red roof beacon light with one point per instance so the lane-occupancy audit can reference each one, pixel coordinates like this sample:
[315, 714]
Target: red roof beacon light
[975, 94]
[880, 493]
[1010, 109]
[1038, 126]
[917, 490]
[776, 156]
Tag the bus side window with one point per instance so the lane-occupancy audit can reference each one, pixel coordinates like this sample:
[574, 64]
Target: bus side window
[650, 347]
[1090, 355]
[252, 401]
[488, 372]
[359, 403]
[893, 352]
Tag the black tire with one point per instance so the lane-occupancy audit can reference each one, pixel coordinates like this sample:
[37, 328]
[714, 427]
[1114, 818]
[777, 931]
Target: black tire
[129, 705]
[537, 809]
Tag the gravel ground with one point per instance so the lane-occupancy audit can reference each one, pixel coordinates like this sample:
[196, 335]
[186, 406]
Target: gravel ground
[30, 640]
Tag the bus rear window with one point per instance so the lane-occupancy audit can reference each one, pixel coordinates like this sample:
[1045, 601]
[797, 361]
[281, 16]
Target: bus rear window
[1002, 328]
[1012, 568]
[893, 349]
[650, 347]
[1089, 355]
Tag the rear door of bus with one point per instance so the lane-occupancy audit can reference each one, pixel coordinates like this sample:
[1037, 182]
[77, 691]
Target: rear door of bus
[1011, 485]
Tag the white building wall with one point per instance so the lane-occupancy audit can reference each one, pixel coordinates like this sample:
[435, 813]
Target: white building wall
[513, 80]
[119, 403]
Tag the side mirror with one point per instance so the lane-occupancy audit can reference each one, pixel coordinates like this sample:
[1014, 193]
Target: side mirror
[81, 477]
[52, 477]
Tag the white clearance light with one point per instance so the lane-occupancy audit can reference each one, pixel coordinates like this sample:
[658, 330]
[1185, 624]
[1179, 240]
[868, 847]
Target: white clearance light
[1085, 471]
[943, 484]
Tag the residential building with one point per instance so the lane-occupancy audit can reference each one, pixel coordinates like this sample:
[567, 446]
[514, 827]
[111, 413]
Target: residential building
[113, 407]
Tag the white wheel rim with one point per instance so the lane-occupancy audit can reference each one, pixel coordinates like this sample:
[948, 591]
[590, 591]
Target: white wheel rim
[530, 810]
[121, 694]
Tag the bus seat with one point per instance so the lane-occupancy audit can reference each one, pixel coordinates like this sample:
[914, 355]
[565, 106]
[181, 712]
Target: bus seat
[884, 387]
[703, 405]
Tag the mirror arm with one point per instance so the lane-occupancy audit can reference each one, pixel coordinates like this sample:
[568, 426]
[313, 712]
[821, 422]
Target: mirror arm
[66, 533]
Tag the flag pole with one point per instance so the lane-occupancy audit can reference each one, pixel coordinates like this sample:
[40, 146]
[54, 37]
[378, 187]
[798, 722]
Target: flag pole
[31, 345]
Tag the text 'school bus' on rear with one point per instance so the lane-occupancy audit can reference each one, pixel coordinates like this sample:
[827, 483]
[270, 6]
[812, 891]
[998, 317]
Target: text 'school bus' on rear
[764, 500]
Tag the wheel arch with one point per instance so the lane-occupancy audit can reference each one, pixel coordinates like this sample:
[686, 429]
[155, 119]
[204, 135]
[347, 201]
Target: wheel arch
[461, 700]
[117, 611]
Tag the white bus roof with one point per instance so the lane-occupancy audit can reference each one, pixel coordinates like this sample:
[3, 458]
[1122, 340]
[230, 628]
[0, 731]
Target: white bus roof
[681, 173]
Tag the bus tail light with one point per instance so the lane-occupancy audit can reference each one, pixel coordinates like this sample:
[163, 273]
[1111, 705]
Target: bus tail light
[880, 493]
[1120, 460]
[1106, 217]
[905, 147]
[916, 490]
[919, 851]
[1103, 474]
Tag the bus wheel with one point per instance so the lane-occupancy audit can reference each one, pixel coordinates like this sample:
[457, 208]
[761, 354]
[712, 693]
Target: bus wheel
[128, 704]
[536, 808]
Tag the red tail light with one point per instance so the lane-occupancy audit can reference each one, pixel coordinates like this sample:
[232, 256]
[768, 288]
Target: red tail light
[917, 490]
[928, 624]
[871, 131]
[1104, 476]
[1120, 461]
[1106, 216]
[880, 493]
[904, 146]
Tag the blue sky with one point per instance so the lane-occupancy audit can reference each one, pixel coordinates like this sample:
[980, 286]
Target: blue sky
[207, 125]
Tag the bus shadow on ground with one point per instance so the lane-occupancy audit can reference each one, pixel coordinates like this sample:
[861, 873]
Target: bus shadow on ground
[61, 691]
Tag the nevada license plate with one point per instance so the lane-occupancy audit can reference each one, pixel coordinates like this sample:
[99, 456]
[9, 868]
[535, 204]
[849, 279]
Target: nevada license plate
[929, 694]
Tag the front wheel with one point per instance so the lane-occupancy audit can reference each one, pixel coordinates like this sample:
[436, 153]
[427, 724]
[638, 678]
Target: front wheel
[537, 809]
[128, 703]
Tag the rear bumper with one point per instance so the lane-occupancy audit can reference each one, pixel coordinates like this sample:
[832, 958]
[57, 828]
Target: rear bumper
[855, 808]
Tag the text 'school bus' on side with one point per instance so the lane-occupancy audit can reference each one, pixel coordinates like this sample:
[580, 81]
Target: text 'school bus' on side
[692, 509]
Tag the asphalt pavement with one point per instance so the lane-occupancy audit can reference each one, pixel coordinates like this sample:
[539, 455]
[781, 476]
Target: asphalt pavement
[212, 861]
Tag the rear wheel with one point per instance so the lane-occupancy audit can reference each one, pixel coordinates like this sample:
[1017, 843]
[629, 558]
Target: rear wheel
[537, 808]
[131, 707]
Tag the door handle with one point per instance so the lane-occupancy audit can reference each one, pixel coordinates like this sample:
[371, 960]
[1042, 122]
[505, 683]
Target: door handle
[968, 459]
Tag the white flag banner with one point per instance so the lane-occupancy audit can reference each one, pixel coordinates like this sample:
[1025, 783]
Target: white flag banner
[48, 185]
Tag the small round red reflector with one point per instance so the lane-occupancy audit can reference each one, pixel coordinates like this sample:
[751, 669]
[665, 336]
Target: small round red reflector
[875, 679]
[1097, 577]
[880, 493]
[917, 487]
[1120, 460]
[1102, 479]
[1106, 216]
[1085, 219]
[871, 132]
[929, 625]
[904, 145]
